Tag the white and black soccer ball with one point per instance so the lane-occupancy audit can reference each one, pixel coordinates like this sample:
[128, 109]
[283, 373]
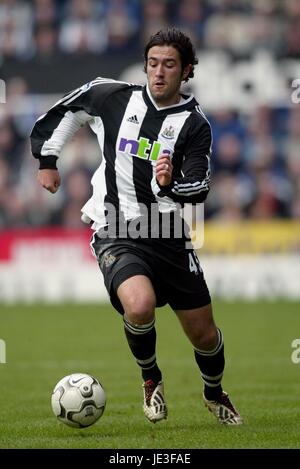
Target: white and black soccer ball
[78, 400]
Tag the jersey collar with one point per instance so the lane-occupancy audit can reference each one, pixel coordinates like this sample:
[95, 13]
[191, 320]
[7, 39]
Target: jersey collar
[186, 99]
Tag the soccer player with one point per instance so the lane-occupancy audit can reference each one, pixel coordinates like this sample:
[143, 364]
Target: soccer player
[155, 143]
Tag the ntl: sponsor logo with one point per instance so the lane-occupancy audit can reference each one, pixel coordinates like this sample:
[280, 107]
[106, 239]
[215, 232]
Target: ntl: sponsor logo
[142, 148]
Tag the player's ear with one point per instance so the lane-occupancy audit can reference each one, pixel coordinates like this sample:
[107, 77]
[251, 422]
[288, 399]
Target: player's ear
[186, 72]
[145, 66]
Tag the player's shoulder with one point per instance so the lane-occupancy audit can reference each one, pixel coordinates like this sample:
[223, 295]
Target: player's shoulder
[108, 85]
[197, 121]
[197, 113]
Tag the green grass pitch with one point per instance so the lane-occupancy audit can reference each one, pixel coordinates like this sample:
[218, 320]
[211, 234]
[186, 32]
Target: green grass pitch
[46, 342]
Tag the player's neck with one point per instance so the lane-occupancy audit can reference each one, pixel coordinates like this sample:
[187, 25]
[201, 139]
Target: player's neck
[171, 102]
[175, 101]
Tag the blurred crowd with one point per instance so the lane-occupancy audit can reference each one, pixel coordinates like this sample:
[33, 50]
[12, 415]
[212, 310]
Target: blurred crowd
[47, 27]
[255, 161]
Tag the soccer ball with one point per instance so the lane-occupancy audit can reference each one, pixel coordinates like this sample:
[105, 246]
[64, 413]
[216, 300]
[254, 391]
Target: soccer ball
[78, 400]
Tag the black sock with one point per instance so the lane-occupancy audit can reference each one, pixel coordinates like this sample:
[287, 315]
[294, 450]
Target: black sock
[142, 341]
[211, 364]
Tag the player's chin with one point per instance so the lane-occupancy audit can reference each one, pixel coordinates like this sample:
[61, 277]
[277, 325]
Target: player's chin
[157, 97]
[158, 94]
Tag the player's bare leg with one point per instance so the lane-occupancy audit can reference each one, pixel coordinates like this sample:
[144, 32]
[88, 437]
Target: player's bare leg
[138, 300]
[207, 341]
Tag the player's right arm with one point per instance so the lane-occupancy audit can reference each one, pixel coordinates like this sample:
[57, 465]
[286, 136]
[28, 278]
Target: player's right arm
[52, 130]
[49, 179]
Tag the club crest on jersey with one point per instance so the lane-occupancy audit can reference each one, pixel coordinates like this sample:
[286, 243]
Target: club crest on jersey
[168, 132]
[142, 148]
[109, 259]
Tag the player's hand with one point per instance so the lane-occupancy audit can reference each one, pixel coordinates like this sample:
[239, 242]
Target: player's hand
[164, 170]
[49, 179]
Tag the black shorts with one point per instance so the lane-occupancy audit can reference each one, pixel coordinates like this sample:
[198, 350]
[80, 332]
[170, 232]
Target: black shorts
[174, 271]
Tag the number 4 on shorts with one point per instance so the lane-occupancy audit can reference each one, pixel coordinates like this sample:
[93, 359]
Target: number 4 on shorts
[194, 263]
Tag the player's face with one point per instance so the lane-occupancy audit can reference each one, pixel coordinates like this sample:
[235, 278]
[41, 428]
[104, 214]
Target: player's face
[165, 74]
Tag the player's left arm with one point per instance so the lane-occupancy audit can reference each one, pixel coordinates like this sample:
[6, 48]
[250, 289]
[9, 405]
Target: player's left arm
[194, 184]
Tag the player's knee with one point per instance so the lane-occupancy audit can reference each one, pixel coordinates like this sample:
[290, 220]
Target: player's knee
[206, 339]
[140, 310]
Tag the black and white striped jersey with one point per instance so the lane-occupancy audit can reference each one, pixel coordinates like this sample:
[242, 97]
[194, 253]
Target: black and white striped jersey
[132, 132]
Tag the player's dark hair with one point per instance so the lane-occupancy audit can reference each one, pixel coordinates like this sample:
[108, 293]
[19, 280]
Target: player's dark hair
[177, 39]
